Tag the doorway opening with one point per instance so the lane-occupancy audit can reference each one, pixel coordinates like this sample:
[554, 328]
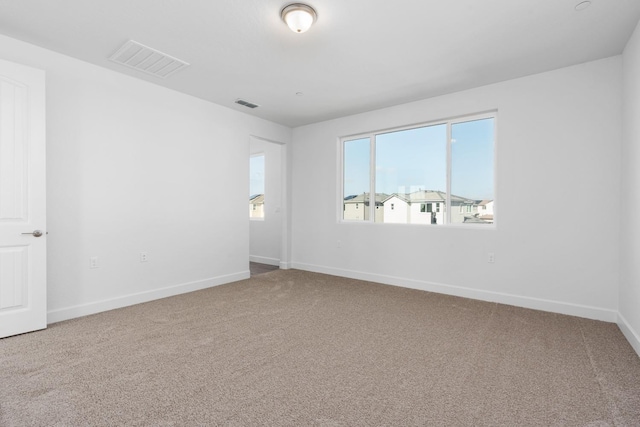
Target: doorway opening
[266, 198]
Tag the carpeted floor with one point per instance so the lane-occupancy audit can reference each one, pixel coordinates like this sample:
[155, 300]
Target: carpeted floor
[259, 268]
[292, 348]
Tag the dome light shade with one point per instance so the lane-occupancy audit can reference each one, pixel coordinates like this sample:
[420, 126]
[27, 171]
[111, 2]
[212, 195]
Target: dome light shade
[299, 17]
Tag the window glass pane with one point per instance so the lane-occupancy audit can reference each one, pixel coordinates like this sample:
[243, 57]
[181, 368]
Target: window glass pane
[410, 172]
[472, 172]
[256, 186]
[357, 154]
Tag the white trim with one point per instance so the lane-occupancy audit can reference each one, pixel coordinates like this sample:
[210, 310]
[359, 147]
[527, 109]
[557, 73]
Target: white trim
[447, 203]
[495, 169]
[284, 265]
[632, 336]
[372, 180]
[264, 260]
[340, 180]
[570, 309]
[140, 297]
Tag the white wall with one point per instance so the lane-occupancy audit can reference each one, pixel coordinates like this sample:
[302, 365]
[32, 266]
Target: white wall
[630, 207]
[558, 142]
[266, 234]
[135, 167]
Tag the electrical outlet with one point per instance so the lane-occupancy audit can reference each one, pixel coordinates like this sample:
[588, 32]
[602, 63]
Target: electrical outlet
[491, 258]
[144, 257]
[93, 262]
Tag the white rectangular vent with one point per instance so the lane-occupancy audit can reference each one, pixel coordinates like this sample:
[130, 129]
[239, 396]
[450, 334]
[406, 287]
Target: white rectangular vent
[246, 103]
[142, 58]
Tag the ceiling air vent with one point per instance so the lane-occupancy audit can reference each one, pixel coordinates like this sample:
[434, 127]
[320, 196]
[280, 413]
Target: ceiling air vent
[142, 58]
[246, 103]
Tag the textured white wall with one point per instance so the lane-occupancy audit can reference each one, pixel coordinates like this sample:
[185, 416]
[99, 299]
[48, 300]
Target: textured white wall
[558, 144]
[630, 207]
[135, 167]
[266, 235]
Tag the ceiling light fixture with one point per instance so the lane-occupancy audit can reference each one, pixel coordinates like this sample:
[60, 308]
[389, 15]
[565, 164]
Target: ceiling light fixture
[299, 17]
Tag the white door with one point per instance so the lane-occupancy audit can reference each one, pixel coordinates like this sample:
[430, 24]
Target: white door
[23, 262]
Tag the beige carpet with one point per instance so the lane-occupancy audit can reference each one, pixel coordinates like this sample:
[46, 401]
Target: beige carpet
[292, 348]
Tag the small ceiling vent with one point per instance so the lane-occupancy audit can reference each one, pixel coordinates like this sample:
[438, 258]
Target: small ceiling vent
[246, 103]
[142, 58]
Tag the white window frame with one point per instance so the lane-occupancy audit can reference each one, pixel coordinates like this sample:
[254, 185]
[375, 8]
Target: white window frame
[493, 114]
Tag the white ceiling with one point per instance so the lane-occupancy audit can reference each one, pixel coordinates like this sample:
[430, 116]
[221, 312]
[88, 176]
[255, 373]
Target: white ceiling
[359, 56]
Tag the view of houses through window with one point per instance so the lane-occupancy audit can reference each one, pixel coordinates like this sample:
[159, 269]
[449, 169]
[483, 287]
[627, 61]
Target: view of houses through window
[256, 186]
[433, 174]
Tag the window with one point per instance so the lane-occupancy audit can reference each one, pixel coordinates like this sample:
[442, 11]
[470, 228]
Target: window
[355, 177]
[444, 168]
[256, 186]
[472, 165]
[426, 207]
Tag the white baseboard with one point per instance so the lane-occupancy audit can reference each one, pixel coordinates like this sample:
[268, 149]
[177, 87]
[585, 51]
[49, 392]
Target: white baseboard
[264, 260]
[284, 265]
[630, 334]
[140, 297]
[478, 294]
